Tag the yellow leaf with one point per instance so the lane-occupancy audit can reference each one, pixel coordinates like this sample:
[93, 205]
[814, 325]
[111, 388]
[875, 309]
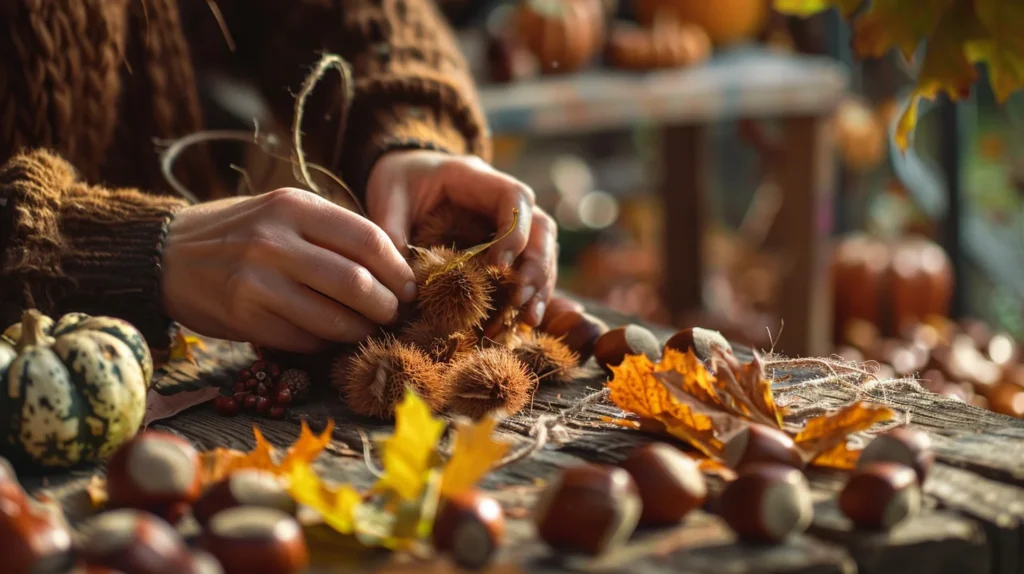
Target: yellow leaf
[1003, 49]
[900, 24]
[307, 447]
[474, 454]
[337, 506]
[411, 452]
[907, 123]
[812, 7]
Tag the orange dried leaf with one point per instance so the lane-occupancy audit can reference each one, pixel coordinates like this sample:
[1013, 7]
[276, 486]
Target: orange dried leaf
[474, 454]
[96, 490]
[839, 457]
[307, 447]
[218, 463]
[824, 432]
[182, 347]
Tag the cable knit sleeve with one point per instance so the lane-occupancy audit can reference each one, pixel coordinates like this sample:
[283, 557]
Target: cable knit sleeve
[68, 246]
[412, 89]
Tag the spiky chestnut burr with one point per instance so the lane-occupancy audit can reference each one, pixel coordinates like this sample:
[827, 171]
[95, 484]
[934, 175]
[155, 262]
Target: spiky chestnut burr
[456, 299]
[440, 347]
[373, 381]
[547, 357]
[489, 380]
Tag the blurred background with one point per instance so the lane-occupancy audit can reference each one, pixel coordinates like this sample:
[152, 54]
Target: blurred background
[719, 164]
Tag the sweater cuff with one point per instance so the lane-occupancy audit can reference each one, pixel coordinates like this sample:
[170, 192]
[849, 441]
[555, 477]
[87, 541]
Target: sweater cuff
[114, 243]
[408, 114]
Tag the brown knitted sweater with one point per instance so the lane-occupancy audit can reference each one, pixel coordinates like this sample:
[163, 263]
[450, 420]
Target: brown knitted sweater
[86, 86]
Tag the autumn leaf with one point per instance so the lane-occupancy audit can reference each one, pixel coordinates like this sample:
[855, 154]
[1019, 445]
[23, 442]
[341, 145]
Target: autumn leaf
[412, 450]
[307, 447]
[826, 435]
[336, 505]
[474, 454]
[899, 24]
[812, 7]
[182, 346]
[96, 490]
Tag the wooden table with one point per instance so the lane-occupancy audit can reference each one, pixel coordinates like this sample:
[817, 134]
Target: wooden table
[799, 91]
[973, 522]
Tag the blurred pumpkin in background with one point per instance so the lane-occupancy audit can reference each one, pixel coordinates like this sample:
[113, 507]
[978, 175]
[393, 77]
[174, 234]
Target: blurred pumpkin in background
[564, 35]
[889, 283]
[725, 21]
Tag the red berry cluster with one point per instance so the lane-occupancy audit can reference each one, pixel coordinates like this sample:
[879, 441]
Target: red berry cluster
[258, 390]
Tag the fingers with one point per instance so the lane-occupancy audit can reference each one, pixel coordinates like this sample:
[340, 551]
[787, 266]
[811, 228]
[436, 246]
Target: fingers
[311, 313]
[537, 272]
[392, 213]
[355, 238]
[474, 184]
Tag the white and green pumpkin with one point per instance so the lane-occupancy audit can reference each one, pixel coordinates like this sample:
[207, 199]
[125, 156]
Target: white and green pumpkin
[73, 390]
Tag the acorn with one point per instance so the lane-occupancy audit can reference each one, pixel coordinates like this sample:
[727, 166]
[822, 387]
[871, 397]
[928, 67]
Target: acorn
[251, 539]
[880, 495]
[589, 509]
[470, 527]
[757, 443]
[613, 347]
[246, 487]
[704, 342]
[33, 537]
[669, 482]
[155, 471]
[134, 541]
[579, 332]
[767, 503]
[902, 445]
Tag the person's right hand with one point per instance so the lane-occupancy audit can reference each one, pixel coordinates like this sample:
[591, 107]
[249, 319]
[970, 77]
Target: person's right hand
[286, 269]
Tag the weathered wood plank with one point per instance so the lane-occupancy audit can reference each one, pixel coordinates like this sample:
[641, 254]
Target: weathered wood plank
[938, 541]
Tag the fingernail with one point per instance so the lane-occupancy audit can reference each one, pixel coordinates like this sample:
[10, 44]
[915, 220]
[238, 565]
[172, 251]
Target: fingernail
[538, 310]
[409, 291]
[506, 260]
[525, 294]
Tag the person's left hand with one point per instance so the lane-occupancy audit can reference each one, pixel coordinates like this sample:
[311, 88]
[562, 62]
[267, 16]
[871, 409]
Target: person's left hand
[404, 186]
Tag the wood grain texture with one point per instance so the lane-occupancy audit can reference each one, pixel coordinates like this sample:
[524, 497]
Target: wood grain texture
[972, 523]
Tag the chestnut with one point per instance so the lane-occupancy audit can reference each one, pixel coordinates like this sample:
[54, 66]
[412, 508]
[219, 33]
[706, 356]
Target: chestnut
[702, 341]
[248, 487]
[589, 509]
[253, 539]
[612, 347]
[1007, 398]
[761, 443]
[880, 495]
[902, 445]
[579, 332]
[669, 482]
[469, 526]
[557, 306]
[130, 540]
[154, 471]
[767, 503]
[32, 537]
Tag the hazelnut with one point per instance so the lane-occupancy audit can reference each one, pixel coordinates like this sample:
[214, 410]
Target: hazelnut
[33, 539]
[579, 332]
[557, 306]
[767, 503]
[249, 487]
[253, 539]
[470, 527]
[157, 472]
[612, 347]
[880, 495]
[589, 509]
[1007, 398]
[702, 341]
[759, 443]
[903, 445]
[669, 482]
[130, 540]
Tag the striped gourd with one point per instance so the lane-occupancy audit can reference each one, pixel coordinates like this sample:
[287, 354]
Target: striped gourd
[73, 389]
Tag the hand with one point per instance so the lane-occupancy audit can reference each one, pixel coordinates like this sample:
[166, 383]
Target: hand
[286, 269]
[404, 186]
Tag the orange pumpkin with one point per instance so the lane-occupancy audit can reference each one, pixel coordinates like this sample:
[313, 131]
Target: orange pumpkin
[891, 284]
[725, 21]
[668, 44]
[564, 35]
